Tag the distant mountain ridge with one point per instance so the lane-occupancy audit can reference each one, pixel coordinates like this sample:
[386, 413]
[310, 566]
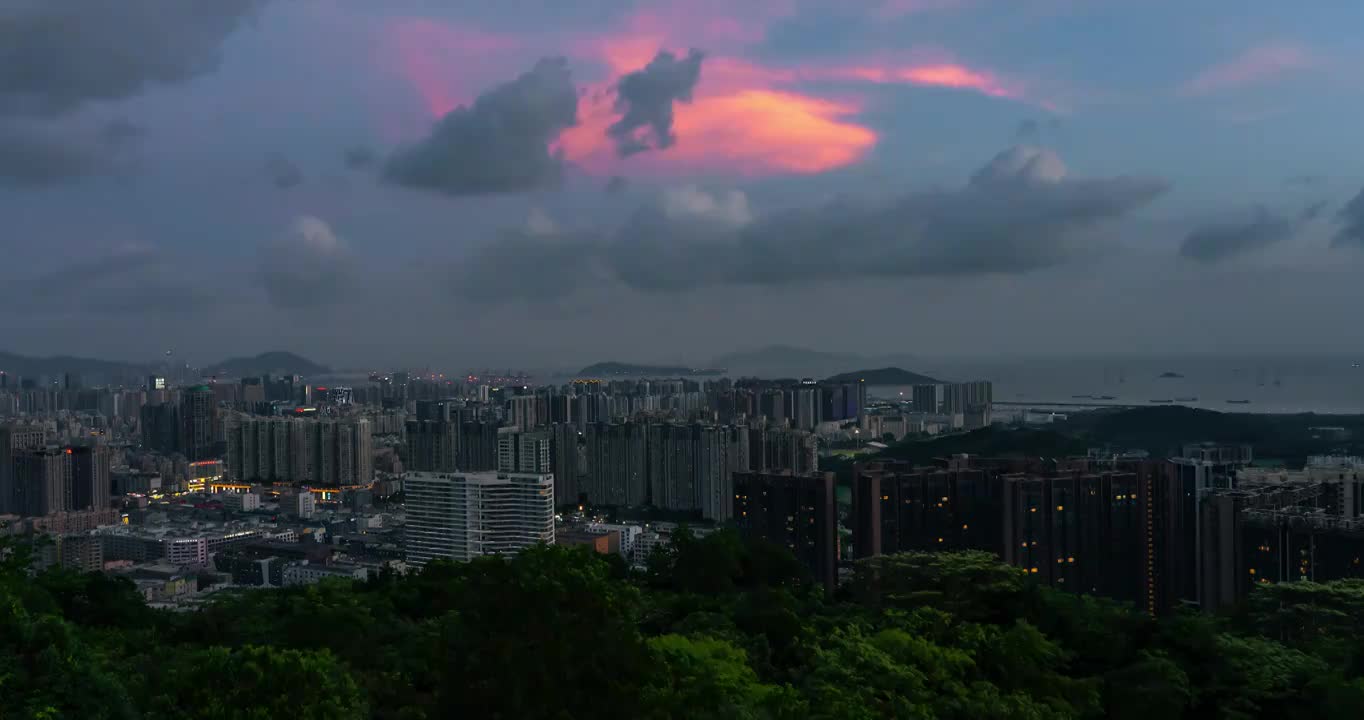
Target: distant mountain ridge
[24, 366]
[884, 376]
[786, 361]
[608, 369]
[273, 363]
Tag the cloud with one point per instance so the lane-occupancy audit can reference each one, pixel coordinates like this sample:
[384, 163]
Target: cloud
[282, 171]
[528, 265]
[34, 156]
[128, 280]
[1306, 181]
[1020, 213]
[540, 223]
[500, 144]
[617, 184]
[307, 267]
[360, 158]
[1028, 132]
[645, 100]
[1222, 241]
[1253, 67]
[1351, 218]
[58, 55]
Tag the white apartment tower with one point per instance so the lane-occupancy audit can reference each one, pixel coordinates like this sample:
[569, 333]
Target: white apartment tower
[460, 516]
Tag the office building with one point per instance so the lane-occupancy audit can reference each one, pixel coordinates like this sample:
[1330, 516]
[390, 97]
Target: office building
[460, 516]
[797, 512]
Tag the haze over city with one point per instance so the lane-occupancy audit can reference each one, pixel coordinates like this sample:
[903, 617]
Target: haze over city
[544, 183]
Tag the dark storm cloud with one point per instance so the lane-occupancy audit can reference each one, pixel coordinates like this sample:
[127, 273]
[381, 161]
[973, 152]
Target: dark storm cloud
[1307, 181]
[56, 55]
[360, 158]
[1019, 213]
[283, 172]
[500, 144]
[617, 184]
[31, 155]
[645, 98]
[1222, 241]
[1351, 218]
[130, 281]
[307, 267]
[546, 267]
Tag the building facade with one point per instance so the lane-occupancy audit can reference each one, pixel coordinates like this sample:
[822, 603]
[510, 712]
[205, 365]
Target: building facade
[460, 516]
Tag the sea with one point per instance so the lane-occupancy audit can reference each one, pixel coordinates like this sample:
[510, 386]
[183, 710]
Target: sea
[1327, 385]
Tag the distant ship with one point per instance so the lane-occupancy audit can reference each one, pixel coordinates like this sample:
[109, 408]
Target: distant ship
[1106, 397]
[1187, 399]
[1162, 402]
[1239, 402]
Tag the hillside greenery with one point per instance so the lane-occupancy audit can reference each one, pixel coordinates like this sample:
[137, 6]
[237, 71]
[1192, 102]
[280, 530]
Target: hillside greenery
[715, 628]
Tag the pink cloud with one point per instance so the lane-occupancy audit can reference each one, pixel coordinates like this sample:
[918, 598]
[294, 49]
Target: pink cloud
[746, 116]
[900, 8]
[1255, 66]
[446, 63]
[944, 75]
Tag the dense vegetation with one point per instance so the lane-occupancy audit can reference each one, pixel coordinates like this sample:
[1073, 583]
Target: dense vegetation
[714, 629]
[1162, 430]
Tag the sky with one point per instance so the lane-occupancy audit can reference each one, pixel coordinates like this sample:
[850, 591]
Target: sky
[540, 183]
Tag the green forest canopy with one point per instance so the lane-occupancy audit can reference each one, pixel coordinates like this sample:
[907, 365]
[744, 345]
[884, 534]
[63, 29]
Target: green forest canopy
[715, 628]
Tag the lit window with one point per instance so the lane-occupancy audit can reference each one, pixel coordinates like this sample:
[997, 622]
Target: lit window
[1060, 507]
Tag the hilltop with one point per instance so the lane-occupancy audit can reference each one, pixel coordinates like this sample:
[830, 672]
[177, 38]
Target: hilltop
[777, 361]
[274, 363]
[26, 366]
[609, 369]
[884, 376]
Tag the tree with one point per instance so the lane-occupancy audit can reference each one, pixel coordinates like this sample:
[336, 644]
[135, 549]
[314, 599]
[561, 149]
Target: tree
[972, 586]
[704, 678]
[254, 683]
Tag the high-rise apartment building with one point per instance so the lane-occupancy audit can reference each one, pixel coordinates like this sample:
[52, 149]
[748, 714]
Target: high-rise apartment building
[617, 464]
[460, 516]
[198, 418]
[308, 451]
[13, 439]
[42, 481]
[523, 452]
[565, 462]
[477, 448]
[90, 481]
[797, 512]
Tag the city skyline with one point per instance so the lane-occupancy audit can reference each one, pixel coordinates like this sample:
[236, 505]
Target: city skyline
[341, 179]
